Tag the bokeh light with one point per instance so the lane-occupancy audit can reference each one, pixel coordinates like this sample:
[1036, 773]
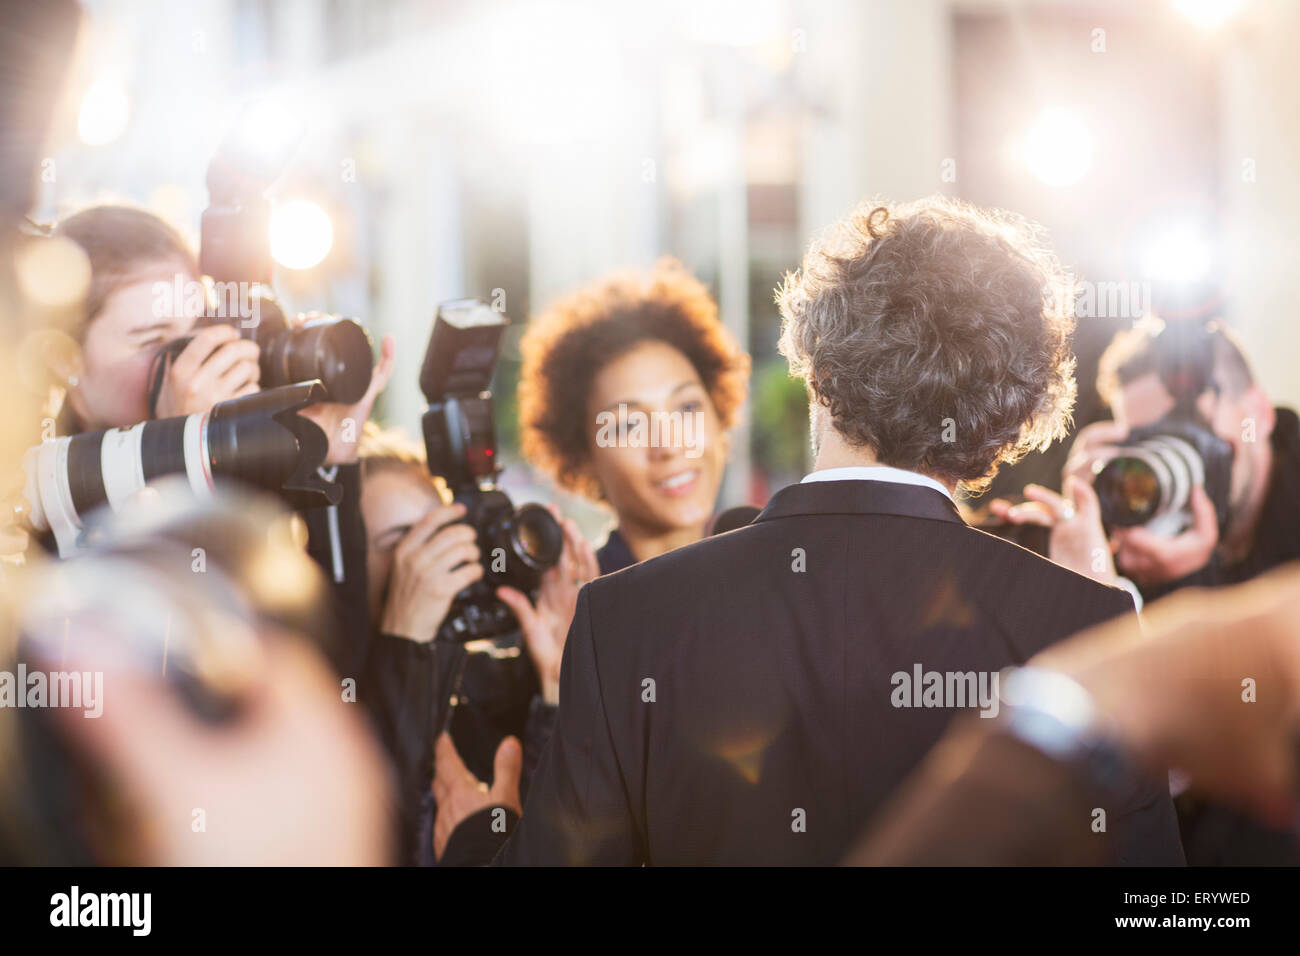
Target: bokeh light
[1058, 149]
[301, 234]
[104, 112]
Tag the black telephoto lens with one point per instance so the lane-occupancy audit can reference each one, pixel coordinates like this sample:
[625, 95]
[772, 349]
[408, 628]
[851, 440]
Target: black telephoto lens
[334, 351]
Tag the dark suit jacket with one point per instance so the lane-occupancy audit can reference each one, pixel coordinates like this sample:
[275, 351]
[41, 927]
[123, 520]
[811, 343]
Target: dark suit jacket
[730, 702]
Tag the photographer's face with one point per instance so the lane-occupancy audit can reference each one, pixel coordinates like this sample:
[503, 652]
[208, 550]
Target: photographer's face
[120, 344]
[1145, 401]
[663, 476]
[392, 500]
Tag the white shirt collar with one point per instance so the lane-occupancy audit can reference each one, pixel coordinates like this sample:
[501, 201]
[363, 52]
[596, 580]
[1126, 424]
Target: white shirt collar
[899, 476]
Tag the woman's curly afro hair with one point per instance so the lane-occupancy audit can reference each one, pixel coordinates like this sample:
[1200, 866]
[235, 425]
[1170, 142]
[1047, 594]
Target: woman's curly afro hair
[566, 346]
[936, 334]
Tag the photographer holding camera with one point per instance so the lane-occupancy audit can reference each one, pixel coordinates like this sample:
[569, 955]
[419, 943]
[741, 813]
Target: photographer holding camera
[420, 556]
[132, 251]
[154, 346]
[1146, 374]
[1240, 520]
[472, 596]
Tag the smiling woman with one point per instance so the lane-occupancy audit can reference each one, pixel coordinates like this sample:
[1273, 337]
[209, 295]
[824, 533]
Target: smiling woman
[627, 390]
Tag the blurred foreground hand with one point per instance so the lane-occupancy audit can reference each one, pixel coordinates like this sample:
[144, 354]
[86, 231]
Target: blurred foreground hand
[1208, 685]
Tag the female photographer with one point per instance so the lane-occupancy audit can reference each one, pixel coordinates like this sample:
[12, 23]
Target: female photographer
[418, 558]
[145, 292]
[104, 366]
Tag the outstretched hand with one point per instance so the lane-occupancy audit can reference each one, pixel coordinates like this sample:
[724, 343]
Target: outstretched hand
[546, 626]
[460, 794]
[343, 423]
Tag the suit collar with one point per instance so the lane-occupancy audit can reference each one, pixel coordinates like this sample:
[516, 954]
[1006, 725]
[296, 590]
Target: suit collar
[860, 497]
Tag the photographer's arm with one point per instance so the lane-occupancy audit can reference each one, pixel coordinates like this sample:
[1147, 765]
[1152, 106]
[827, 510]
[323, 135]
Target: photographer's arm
[336, 536]
[545, 627]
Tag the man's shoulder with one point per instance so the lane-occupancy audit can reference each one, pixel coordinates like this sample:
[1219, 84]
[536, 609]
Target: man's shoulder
[715, 555]
[714, 559]
[1000, 557]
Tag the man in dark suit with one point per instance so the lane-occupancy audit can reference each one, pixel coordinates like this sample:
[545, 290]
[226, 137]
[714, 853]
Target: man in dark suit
[755, 697]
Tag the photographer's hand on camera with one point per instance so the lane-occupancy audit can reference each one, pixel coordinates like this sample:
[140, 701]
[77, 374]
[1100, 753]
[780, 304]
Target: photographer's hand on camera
[1078, 539]
[216, 366]
[333, 417]
[1094, 445]
[546, 625]
[434, 561]
[1141, 555]
[1150, 559]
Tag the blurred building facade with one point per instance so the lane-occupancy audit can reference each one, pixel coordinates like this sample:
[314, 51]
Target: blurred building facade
[511, 150]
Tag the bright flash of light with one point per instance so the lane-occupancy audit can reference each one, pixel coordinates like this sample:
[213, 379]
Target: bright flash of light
[1178, 253]
[736, 23]
[1058, 149]
[104, 112]
[301, 234]
[1208, 14]
[268, 129]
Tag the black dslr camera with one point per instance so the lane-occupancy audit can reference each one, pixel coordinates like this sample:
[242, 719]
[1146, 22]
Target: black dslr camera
[333, 350]
[517, 546]
[1150, 482]
[234, 251]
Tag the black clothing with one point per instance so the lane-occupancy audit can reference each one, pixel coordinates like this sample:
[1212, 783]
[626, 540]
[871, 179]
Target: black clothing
[1213, 834]
[734, 701]
[1008, 804]
[1277, 538]
[336, 540]
[614, 555]
[410, 687]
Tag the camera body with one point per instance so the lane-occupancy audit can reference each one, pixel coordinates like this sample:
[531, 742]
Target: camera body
[235, 252]
[517, 545]
[1150, 482]
[335, 351]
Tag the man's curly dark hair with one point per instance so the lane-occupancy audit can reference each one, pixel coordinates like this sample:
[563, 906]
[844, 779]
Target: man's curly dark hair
[936, 334]
[567, 345]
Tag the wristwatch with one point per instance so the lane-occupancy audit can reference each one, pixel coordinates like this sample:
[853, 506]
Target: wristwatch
[1054, 714]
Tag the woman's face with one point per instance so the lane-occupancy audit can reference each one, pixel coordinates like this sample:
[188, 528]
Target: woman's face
[659, 461]
[121, 342]
[392, 499]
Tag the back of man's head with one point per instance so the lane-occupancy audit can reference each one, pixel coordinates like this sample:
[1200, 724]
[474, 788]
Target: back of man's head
[936, 334]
